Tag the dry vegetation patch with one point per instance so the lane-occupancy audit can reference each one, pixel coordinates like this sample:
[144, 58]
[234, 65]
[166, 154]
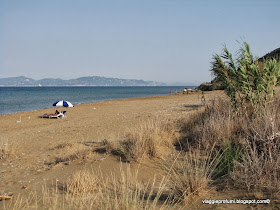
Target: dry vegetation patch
[153, 138]
[4, 153]
[82, 182]
[87, 189]
[7, 150]
[62, 145]
[67, 152]
[191, 173]
[248, 144]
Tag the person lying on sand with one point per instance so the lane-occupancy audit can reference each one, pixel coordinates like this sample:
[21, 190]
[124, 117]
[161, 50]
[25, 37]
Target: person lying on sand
[57, 114]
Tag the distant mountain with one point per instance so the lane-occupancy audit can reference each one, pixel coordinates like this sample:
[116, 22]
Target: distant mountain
[17, 81]
[82, 81]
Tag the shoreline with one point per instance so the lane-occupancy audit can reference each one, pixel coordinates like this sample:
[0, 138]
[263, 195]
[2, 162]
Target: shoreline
[14, 101]
[131, 98]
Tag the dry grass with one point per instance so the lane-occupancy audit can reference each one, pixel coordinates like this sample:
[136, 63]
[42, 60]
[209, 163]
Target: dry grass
[154, 139]
[62, 145]
[127, 192]
[260, 170]
[260, 167]
[210, 126]
[191, 173]
[4, 150]
[90, 190]
[7, 150]
[248, 142]
[66, 152]
[82, 182]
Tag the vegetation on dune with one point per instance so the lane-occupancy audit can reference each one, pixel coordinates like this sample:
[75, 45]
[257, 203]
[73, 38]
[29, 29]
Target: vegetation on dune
[252, 152]
[153, 139]
[245, 131]
[233, 64]
[246, 80]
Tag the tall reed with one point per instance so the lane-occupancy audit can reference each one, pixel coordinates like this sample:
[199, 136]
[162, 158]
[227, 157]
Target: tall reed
[246, 80]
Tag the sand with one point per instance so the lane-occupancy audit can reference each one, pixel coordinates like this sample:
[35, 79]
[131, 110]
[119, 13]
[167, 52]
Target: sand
[34, 143]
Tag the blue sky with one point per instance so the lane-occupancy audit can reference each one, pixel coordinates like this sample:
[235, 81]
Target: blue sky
[160, 40]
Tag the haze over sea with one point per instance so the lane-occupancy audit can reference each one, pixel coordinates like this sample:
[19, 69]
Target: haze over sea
[20, 99]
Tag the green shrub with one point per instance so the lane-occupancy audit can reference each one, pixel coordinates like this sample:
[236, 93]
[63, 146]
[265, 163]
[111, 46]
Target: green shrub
[248, 82]
[230, 153]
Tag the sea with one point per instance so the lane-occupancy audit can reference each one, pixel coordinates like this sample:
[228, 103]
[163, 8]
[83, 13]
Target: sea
[21, 99]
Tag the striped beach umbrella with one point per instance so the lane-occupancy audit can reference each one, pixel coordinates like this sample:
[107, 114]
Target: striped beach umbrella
[63, 104]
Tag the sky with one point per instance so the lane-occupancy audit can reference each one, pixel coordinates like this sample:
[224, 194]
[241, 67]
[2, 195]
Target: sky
[169, 41]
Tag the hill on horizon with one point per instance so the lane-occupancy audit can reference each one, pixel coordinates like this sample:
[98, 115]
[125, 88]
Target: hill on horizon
[273, 54]
[81, 81]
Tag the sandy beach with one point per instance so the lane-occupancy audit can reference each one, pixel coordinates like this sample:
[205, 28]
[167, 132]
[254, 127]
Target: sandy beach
[39, 155]
[34, 144]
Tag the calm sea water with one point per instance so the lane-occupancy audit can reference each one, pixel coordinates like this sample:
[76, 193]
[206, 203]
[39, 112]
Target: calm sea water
[20, 99]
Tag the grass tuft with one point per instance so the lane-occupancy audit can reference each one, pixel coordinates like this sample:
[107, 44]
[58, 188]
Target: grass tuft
[153, 139]
[191, 173]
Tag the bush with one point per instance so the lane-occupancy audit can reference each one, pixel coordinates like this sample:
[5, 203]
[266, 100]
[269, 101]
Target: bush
[230, 154]
[246, 80]
[153, 138]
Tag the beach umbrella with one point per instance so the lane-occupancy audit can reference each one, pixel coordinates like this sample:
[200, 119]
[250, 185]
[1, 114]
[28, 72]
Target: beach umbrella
[63, 104]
